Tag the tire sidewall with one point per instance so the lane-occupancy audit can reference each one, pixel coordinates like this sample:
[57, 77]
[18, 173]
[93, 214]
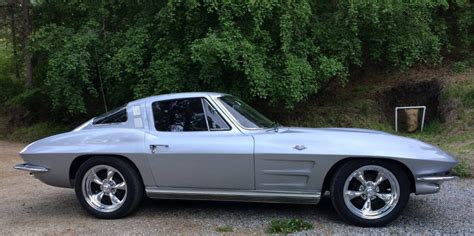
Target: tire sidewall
[337, 192]
[131, 177]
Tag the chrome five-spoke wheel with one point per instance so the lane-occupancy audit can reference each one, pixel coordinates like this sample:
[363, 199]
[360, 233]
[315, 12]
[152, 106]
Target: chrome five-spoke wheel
[370, 192]
[108, 187]
[104, 188]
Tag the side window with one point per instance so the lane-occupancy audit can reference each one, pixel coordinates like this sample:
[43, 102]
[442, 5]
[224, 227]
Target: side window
[214, 120]
[118, 115]
[179, 115]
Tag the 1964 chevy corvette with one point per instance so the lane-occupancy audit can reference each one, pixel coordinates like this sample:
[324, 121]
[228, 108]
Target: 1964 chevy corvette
[212, 146]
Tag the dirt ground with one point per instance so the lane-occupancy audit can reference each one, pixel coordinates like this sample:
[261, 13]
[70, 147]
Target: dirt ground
[28, 206]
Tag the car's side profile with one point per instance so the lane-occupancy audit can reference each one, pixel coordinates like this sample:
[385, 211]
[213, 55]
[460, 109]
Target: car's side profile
[213, 146]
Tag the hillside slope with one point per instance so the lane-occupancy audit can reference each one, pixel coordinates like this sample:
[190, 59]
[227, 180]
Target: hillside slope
[363, 103]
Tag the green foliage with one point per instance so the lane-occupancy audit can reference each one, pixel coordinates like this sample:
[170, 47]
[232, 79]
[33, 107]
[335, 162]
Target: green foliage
[397, 33]
[34, 132]
[459, 67]
[469, 98]
[279, 51]
[462, 91]
[224, 229]
[432, 128]
[459, 27]
[288, 226]
[462, 169]
[6, 63]
[9, 86]
[69, 78]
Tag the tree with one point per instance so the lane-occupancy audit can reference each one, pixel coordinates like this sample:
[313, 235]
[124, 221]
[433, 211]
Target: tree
[278, 51]
[9, 11]
[25, 37]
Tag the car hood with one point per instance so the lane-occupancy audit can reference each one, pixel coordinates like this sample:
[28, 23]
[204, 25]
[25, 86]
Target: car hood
[350, 142]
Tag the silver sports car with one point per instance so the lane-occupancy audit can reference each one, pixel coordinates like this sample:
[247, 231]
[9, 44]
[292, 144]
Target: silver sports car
[213, 146]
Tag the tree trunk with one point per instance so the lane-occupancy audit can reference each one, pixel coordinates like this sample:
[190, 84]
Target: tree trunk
[14, 44]
[25, 7]
[411, 120]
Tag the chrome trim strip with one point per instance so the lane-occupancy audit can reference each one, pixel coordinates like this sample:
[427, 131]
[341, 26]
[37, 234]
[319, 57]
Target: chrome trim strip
[229, 195]
[205, 113]
[437, 178]
[31, 168]
[230, 116]
[431, 184]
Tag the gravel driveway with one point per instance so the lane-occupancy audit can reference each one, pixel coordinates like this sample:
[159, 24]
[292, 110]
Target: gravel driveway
[29, 206]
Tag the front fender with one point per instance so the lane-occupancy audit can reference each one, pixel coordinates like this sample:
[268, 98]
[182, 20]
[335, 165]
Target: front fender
[306, 168]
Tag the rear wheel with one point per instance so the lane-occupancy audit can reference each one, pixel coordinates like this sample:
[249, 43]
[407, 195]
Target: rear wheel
[370, 192]
[108, 187]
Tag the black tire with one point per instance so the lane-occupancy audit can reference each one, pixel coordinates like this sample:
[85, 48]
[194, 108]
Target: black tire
[337, 192]
[135, 188]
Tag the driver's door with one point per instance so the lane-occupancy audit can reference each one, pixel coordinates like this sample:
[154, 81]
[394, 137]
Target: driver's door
[193, 146]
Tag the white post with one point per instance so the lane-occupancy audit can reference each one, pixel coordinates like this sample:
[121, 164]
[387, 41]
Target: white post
[410, 107]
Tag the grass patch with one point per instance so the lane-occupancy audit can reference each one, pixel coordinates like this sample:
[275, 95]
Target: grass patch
[463, 91]
[288, 226]
[468, 99]
[224, 229]
[460, 66]
[364, 89]
[462, 169]
[430, 130]
[364, 105]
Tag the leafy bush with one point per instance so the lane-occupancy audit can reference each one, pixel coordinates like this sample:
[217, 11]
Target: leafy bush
[282, 52]
[279, 51]
[37, 131]
[9, 87]
[459, 67]
[462, 91]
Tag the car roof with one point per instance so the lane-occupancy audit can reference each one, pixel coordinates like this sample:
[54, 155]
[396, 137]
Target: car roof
[175, 96]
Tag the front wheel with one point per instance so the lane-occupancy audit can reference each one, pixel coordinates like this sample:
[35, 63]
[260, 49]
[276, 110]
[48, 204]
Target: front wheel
[370, 192]
[108, 187]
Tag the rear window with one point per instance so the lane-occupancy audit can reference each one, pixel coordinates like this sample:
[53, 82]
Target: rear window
[117, 115]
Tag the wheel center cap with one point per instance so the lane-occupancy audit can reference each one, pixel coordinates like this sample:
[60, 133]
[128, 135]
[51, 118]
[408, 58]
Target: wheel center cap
[106, 188]
[370, 191]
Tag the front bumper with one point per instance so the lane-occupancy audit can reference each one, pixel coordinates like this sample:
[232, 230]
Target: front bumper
[31, 168]
[431, 184]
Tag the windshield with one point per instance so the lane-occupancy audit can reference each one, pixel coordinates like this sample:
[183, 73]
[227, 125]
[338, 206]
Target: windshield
[244, 114]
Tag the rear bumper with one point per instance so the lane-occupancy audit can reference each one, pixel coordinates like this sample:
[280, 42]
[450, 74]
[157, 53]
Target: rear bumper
[431, 184]
[438, 179]
[31, 168]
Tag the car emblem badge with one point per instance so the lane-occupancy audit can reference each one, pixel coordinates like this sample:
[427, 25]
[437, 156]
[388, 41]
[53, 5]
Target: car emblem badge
[299, 147]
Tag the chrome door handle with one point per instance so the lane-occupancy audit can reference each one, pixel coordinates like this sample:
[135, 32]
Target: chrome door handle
[153, 147]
